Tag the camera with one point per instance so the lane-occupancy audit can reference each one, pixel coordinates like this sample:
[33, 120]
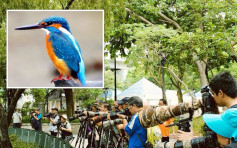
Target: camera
[209, 140]
[75, 116]
[32, 113]
[109, 123]
[49, 115]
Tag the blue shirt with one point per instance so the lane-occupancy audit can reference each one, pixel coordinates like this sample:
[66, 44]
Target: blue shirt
[39, 116]
[133, 129]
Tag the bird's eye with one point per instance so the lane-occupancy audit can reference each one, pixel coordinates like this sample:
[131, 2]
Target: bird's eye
[48, 23]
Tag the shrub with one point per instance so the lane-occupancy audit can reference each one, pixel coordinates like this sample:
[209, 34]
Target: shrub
[18, 144]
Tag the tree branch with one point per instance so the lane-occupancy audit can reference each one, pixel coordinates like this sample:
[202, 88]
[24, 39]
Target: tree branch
[158, 82]
[69, 4]
[12, 106]
[172, 81]
[172, 72]
[140, 17]
[170, 21]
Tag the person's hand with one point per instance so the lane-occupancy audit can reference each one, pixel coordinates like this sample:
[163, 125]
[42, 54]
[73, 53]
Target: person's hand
[61, 128]
[108, 116]
[51, 120]
[181, 135]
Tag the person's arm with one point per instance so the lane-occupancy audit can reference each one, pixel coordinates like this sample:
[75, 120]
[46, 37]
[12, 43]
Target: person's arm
[68, 128]
[120, 126]
[20, 116]
[131, 127]
[38, 117]
[54, 120]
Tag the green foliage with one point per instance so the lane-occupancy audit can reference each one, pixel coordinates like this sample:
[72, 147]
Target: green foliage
[26, 119]
[194, 31]
[109, 80]
[18, 144]
[38, 94]
[24, 111]
[87, 96]
[2, 59]
[110, 102]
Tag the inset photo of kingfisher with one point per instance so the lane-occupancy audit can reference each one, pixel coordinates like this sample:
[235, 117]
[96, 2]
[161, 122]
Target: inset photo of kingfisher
[62, 48]
[55, 48]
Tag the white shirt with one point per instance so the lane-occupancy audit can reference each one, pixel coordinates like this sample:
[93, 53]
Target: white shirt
[16, 117]
[51, 127]
[68, 126]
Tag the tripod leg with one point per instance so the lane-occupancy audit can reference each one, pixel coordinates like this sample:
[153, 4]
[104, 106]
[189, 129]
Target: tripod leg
[84, 136]
[79, 133]
[92, 135]
[108, 139]
[101, 135]
[81, 136]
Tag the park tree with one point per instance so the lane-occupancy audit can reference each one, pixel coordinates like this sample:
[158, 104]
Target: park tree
[194, 35]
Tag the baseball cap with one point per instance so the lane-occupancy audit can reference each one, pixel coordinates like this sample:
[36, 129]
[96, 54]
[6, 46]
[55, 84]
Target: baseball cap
[224, 124]
[55, 108]
[135, 100]
[125, 100]
[119, 102]
[64, 116]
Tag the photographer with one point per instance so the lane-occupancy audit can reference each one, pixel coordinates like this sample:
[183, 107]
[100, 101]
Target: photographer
[115, 107]
[225, 126]
[17, 119]
[123, 103]
[66, 129]
[137, 134]
[35, 120]
[165, 131]
[53, 118]
[224, 90]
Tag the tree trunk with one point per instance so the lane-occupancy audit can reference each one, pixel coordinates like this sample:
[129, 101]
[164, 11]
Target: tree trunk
[179, 94]
[13, 103]
[69, 102]
[201, 71]
[13, 96]
[4, 137]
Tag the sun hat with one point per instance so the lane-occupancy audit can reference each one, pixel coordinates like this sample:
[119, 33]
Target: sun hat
[224, 124]
[64, 116]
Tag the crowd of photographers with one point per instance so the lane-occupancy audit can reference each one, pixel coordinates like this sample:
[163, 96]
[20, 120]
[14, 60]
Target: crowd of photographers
[126, 123]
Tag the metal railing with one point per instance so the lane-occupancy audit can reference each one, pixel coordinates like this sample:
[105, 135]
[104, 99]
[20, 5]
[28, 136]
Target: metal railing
[41, 139]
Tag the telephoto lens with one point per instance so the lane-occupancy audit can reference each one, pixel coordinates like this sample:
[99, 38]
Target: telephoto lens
[109, 123]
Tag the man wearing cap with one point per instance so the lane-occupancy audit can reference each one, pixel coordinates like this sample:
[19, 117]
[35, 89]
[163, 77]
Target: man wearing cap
[53, 119]
[37, 116]
[137, 134]
[65, 127]
[115, 107]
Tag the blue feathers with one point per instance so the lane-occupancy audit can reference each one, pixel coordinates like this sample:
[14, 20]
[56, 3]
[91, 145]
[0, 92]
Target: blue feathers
[66, 48]
[57, 20]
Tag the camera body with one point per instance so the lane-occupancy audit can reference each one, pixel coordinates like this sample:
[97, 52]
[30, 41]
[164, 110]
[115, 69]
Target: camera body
[49, 115]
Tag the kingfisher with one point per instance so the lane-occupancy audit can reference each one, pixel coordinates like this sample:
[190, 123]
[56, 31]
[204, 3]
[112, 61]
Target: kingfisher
[62, 48]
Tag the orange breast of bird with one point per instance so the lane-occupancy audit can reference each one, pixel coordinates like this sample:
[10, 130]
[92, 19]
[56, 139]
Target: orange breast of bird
[59, 63]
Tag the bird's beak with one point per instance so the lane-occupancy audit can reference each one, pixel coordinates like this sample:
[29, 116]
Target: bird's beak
[27, 27]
